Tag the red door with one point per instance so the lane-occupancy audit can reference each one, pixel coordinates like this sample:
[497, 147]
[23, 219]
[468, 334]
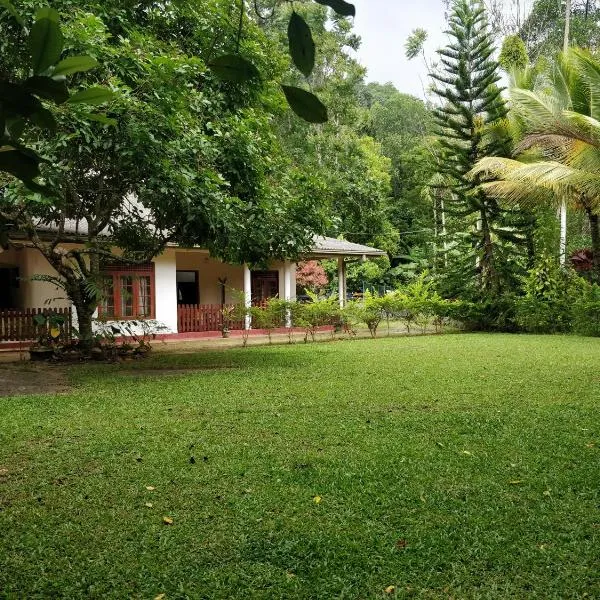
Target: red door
[265, 285]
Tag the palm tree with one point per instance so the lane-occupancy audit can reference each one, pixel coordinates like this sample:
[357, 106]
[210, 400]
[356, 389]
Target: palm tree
[558, 158]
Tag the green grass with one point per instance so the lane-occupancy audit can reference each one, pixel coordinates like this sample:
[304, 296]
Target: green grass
[461, 466]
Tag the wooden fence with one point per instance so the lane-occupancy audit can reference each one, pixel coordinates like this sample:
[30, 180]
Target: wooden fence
[20, 326]
[203, 317]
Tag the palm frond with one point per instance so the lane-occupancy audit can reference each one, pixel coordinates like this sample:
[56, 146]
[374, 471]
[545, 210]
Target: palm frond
[589, 70]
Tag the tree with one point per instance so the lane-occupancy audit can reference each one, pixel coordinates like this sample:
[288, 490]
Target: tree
[337, 162]
[403, 125]
[183, 157]
[311, 276]
[560, 152]
[22, 101]
[513, 54]
[544, 29]
[472, 103]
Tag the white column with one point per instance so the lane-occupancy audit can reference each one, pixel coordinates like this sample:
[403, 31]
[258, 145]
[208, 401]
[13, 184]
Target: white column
[247, 293]
[342, 281]
[165, 289]
[287, 289]
[563, 233]
[287, 281]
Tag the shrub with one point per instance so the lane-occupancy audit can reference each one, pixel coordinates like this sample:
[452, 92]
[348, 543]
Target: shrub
[495, 313]
[586, 310]
[547, 306]
[369, 310]
[270, 315]
[320, 311]
[419, 303]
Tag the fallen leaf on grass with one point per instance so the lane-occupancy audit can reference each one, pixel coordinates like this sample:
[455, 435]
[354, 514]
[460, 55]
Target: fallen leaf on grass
[149, 504]
[467, 453]
[389, 589]
[150, 488]
[317, 499]
[401, 544]
[546, 492]
[591, 445]
[515, 482]
[160, 597]
[167, 521]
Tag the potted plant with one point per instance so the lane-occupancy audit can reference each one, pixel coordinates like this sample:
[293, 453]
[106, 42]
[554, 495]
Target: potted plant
[226, 313]
[48, 326]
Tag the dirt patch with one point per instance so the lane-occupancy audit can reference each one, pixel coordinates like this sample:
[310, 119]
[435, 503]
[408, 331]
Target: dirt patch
[23, 380]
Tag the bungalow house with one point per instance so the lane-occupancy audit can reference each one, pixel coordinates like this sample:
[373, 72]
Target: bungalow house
[178, 292]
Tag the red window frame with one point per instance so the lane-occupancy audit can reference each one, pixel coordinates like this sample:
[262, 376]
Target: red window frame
[136, 272]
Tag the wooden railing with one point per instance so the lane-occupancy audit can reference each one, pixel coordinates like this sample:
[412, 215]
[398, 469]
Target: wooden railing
[19, 325]
[203, 317]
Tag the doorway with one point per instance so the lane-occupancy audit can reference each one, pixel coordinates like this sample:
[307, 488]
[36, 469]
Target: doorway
[188, 291]
[265, 285]
[9, 285]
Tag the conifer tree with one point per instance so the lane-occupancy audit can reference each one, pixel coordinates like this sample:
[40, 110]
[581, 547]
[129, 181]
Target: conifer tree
[471, 107]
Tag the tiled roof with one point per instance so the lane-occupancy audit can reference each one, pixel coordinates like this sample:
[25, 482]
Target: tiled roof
[326, 246]
[323, 246]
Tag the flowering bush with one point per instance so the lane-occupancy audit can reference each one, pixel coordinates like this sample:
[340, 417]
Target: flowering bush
[311, 276]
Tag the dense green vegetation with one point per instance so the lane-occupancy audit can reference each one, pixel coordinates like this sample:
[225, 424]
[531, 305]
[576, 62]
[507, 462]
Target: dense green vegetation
[461, 465]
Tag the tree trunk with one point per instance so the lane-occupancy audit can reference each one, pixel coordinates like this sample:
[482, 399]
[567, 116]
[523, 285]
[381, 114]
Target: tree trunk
[487, 271]
[595, 232]
[84, 307]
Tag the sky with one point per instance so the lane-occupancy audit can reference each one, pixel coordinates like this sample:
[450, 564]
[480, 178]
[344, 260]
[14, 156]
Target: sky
[384, 26]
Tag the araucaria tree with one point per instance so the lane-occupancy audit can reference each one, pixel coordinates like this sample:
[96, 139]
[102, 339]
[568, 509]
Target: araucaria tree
[471, 104]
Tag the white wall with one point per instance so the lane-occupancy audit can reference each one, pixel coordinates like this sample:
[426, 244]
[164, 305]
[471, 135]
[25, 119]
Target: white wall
[210, 270]
[165, 284]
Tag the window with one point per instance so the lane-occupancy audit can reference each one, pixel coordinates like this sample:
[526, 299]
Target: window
[128, 292]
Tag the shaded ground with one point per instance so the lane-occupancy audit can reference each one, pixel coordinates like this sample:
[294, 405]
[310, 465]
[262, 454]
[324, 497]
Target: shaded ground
[20, 379]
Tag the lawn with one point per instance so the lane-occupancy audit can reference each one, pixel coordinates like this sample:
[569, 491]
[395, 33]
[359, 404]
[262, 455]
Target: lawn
[458, 466]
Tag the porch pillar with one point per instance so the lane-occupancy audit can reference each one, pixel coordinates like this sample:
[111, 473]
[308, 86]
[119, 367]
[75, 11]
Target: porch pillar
[287, 289]
[247, 294]
[342, 281]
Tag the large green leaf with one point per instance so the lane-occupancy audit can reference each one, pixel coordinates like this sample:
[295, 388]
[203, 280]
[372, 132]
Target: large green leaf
[302, 46]
[47, 13]
[12, 11]
[45, 40]
[99, 118]
[92, 95]
[23, 165]
[306, 105]
[340, 6]
[17, 100]
[74, 64]
[44, 119]
[233, 67]
[15, 127]
[48, 88]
